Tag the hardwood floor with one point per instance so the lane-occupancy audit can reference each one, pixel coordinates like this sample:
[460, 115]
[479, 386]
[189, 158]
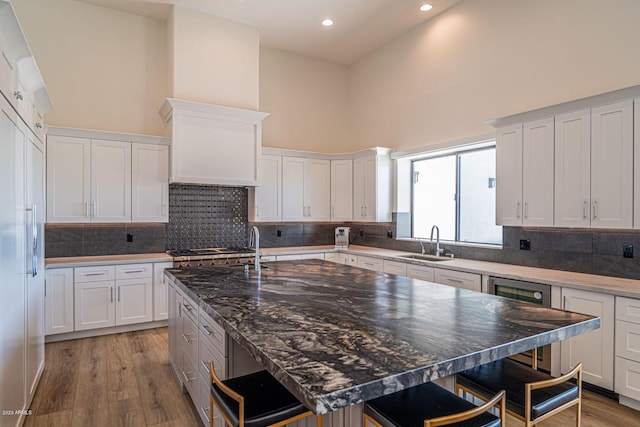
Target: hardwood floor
[113, 380]
[125, 380]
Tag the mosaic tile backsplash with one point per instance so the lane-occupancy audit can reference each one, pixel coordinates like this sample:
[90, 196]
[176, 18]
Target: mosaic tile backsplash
[206, 216]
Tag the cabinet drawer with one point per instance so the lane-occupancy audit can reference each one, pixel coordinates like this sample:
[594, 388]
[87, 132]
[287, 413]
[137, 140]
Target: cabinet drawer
[370, 263]
[94, 274]
[207, 353]
[190, 377]
[294, 257]
[134, 271]
[213, 332]
[628, 340]
[352, 260]
[189, 337]
[627, 378]
[190, 308]
[421, 272]
[395, 267]
[459, 279]
[312, 256]
[628, 309]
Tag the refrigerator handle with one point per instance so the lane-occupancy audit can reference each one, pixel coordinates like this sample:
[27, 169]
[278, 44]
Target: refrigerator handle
[34, 241]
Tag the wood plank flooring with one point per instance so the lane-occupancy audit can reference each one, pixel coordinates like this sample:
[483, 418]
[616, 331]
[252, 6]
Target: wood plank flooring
[125, 380]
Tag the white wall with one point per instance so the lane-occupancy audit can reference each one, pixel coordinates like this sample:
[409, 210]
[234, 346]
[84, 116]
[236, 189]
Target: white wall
[487, 59]
[308, 102]
[103, 69]
[215, 60]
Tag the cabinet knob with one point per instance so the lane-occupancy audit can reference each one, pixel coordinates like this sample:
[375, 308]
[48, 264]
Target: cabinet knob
[38, 125]
[18, 95]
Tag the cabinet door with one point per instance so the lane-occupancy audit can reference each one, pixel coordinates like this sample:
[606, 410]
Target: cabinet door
[160, 291]
[134, 301]
[509, 175]
[395, 267]
[317, 188]
[358, 189]
[572, 169]
[269, 190]
[68, 179]
[293, 207]
[612, 165]
[175, 302]
[370, 189]
[594, 349]
[341, 190]
[94, 305]
[58, 308]
[421, 272]
[370, 263]
[537, 173]
[149, 183]
[110, 181]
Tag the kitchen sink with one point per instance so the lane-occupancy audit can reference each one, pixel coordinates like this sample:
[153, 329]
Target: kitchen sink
[427, 257]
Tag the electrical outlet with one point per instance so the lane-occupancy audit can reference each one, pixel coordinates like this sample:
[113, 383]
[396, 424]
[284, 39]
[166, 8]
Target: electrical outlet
[627, 251]
[279, 233]
[129, 237]
[525, 244]
[390, 234]
[361, 233]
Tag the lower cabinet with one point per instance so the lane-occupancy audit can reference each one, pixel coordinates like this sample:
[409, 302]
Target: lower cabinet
[370, 263]
[627, 364]
[421, 272]
[58, 302]
[341, 258]
[395, 267]
[160, 303]
[593, 349]
[458, 279]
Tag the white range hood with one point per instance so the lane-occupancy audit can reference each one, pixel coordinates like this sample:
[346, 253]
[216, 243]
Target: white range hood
[213, 144]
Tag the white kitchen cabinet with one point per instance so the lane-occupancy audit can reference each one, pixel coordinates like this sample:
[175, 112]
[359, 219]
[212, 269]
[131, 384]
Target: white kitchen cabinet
[160, 291]
[306, 184]
[370, 263]
[612, 165]
[458, 279]
[134, 301]
[337, 257]
[174, 301]
[59, 301]
[573, 169]
[149, 183]
[94, 305]
[372, 187]
[395, 267]
[421, 272]
[595, 349]
[537, 172]
[525, 174]
[341, 190]
[268, 194]
[509, 175]
[88, 180]
[627, 349]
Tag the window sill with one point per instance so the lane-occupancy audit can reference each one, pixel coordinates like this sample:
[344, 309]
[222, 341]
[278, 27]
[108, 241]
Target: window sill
[453, 243]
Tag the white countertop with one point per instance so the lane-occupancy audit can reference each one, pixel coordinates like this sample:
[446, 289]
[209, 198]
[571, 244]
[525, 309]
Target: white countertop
[604, 284]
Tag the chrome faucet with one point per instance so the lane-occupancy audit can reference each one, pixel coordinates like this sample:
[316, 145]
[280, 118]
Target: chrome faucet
[254, 241]
[438, 250]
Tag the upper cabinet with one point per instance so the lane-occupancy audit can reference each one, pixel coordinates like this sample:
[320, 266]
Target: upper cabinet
[372, 185]
[305, 189]
[212, 144]
[266, 201]
[99, 180]
[342, 190]
[572, 168]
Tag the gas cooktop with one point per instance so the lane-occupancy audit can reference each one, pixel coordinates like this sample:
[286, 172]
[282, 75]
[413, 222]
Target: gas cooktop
[210, 252]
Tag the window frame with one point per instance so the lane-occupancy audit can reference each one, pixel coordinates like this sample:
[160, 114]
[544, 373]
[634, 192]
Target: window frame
[454, 151]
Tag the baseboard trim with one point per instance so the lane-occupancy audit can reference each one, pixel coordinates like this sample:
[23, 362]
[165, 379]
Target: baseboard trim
[105, 331]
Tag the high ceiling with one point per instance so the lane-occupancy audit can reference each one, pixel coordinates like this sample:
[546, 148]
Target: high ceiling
[360, 26]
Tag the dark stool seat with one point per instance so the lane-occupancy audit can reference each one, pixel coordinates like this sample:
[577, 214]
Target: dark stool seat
[531, 395]
[428, 405]
[255, 400]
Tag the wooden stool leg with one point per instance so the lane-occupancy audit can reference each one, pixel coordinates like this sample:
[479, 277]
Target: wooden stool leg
[319, 418]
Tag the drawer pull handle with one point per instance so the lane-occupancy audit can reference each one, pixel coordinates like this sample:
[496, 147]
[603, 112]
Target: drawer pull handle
[186, 377]
[207, 329]
[188, 306]
[133, 271]
[454, 280]
[101, 273]
[205, 411]
[205, 365]
[186, 338]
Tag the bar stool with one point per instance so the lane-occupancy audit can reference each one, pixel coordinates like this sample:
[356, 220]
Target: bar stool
[255, 400]
[532, 396]
[430, 405]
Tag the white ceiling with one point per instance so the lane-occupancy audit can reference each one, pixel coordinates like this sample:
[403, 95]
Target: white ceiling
[360, 26]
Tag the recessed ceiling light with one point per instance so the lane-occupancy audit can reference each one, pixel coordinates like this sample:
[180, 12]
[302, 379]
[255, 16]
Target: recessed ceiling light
[426, 7]
[327, 22]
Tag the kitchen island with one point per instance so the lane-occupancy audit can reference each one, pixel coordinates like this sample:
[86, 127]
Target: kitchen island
[337, 335]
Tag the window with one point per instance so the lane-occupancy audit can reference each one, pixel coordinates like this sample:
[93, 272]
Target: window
[456, 191]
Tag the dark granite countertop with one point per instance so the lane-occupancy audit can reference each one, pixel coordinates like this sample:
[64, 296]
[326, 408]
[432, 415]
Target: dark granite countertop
[337, 335]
